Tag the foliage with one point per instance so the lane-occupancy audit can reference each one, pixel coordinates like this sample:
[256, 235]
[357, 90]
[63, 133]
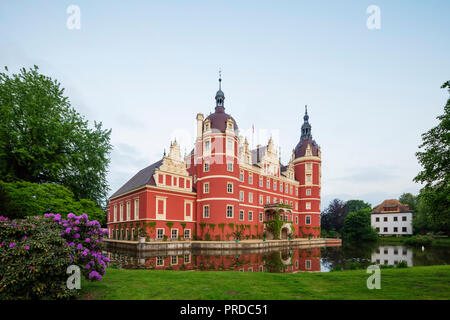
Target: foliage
[237, 234]
[86, 237]
[418, 241]
[402, 264]
[357, 227]
[44, 139]
[19, 199]
[409, 199]
[33, 260]
[435, 160]
[355, 205]
[36, 251]
[274, 225]
[332, 218]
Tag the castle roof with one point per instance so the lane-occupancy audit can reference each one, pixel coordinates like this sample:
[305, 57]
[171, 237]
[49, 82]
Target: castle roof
[140, 179]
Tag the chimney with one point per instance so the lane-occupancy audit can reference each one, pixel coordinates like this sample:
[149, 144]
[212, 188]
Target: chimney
[199, 125]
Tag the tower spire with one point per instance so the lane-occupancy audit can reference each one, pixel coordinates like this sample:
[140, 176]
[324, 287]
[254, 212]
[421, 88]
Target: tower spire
[306, 127]
[220, 96]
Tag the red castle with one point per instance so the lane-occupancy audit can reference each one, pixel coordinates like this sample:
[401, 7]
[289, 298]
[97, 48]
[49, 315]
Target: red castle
[222, 187]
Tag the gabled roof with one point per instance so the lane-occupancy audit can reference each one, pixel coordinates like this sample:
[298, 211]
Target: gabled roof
[140, 179]
[396, 206]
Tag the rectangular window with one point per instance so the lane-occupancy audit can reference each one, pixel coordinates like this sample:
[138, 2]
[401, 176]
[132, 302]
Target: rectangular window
[206, 211]
[308, 264]
[206, 187]
[187, 233]
[159, 261]
[267, 199]
[261, 199]
[296, 219]
[281, 187]
[187, 257]
[385, 219]
[241, 195]
[395, 218]
[404, 218]
[250, 216]
[230, 187]
[250, 179]
[241, 176]
[268, 183]
[275, 186]
[377, 219]
[174, 233]
[308, 206]
[291, 190]
[261, 217]
[207, 146]
[206, 167]
[173, 260]
[230, 146]
[115, 212]
[128, 210]
[229, 211]
[260, 181]
[404, 229]
[159, 233]
[395, 229]
[136, 209]
[308, 192]
[385, 229]
[250, 197]
[121, 211]
[308, 220]
[241, 215]
[230, 166]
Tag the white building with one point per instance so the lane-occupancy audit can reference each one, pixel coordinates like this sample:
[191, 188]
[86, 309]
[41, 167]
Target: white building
[392, 218]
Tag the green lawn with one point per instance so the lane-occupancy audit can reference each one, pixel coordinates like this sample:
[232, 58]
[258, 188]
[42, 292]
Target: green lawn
[437, 242]
[409, 283]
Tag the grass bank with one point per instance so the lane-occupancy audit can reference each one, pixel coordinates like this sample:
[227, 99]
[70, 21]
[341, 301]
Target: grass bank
[436, 242]
[409, 283]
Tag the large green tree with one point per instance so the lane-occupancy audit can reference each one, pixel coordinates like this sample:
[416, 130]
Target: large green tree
[434, 198]
[355, 205]
[332, 218]
[357, 226]
[20, 199]
[409, 199]
[44, 140]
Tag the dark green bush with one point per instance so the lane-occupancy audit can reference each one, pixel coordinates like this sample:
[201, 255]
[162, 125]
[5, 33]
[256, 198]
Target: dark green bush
[402, 264]
[418, 241]
[33, 260]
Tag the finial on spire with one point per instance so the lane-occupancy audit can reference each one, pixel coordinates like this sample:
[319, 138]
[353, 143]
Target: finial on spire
[306, 109]
[220, 79]
[164, 152]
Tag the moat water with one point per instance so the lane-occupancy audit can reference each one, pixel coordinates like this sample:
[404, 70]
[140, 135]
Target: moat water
[318, 259]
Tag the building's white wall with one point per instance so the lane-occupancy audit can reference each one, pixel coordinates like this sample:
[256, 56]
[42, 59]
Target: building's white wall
[390, 224]
[392, 255]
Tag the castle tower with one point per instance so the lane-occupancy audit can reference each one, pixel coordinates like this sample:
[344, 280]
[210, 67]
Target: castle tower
[307, 167]
[217, 171]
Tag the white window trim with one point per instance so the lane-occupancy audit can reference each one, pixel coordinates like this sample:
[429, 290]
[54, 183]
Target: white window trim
[163, 215]
[163, 231]
[232, 211]
[209, 212]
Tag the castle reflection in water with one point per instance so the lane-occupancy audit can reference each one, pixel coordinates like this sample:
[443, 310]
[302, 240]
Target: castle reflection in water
[284, 261]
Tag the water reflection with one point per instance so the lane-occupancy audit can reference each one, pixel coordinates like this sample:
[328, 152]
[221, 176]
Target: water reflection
[281, 261]
[285, 261]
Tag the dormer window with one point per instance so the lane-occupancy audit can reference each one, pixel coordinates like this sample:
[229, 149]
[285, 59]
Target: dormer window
[206, 127]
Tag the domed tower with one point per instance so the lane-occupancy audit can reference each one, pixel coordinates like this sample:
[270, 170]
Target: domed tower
[217, 171]
[307, 167]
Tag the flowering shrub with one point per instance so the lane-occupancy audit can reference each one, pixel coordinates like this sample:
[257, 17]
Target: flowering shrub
[33, 259]
[35, 253]
[86, 238]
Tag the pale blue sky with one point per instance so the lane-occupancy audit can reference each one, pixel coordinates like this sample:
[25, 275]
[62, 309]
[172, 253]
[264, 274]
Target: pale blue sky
[145, 68]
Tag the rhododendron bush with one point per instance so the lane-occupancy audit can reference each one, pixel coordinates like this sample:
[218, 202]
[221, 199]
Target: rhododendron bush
[36, 251]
